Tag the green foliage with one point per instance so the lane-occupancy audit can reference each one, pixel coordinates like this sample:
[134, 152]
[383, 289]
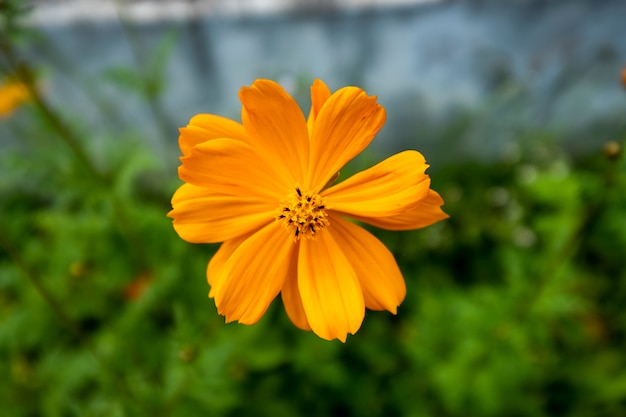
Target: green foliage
[514, 304]
[147, 82]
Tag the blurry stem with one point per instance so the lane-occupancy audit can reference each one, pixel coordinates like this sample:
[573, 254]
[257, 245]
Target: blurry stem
[72, 140]
[24, 75]
[592, 213]
[64, 319]
[130, 231]
[66, 134]
[151, 97]
[169, 406]
[43, 292]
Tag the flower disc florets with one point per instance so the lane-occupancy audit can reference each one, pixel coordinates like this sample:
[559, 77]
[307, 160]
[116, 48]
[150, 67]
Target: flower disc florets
[266, 189]
[303, 214]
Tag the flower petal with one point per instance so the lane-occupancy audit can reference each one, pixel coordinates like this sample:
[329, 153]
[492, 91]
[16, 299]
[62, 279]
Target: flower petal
[12, 94]
[424, 213]
[203, 127]
[386, 189]
[346, 123]
[254, 275]
[232, 167]
[381, 280]
[276, 127]
[202, 216]
[217, 262]
[292, 299]
[319, 94]
[330, 291]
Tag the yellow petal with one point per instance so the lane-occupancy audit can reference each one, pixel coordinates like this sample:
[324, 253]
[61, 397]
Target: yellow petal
[381, 281]
[319, 94]
[276, 127]
[384, 190]
[346, 123]
[232, 167]
[202, 216]
[425, 213]
[203, 127]
[330, 290]
[292, 299]
[12, 95]
[254, 275]
[216, 264]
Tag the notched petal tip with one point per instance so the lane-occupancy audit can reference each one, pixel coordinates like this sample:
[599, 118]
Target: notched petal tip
[425, 213]
[205, 127]
[276, 127]
[319, 94]
[386, 189]
[345, 125]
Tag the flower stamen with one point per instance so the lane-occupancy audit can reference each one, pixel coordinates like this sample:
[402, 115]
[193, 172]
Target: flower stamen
[303, 214]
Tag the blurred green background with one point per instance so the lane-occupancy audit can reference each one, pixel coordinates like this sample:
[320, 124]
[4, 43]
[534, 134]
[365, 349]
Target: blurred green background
[515, 304]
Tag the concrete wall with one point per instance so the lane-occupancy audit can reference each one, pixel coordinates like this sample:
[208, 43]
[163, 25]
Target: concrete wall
[515, 65]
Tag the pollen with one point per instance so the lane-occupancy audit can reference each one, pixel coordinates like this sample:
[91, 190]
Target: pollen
[303, 214]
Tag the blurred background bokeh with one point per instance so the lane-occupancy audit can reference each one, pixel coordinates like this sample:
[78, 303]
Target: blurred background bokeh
[515, 304]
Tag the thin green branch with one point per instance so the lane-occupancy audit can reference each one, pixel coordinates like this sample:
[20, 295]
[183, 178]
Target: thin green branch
[65, 320]
[139, 59]
[73, 141]
[580, 232]
[24, 75]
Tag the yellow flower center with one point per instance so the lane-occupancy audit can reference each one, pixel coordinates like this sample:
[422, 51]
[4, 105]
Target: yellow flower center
[303, 214]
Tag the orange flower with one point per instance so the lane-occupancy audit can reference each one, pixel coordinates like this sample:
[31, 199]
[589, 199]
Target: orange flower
[12, 94]
[262, 188]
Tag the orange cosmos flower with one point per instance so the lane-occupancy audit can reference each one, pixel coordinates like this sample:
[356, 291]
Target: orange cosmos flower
[12, 94]
[262, 188]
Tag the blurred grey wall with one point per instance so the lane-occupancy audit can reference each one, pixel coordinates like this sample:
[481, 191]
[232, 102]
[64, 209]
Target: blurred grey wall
[506, 66]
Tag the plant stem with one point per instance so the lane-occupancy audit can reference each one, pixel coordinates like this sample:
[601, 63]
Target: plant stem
[569, 249]
[139, 59]
[65, 320]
